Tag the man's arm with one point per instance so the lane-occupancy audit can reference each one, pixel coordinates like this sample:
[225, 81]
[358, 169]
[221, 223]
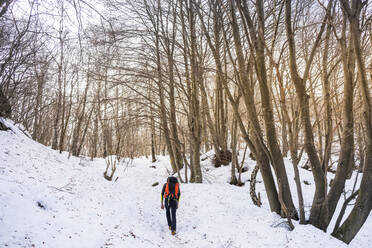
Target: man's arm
[179, 196]
[162, 196]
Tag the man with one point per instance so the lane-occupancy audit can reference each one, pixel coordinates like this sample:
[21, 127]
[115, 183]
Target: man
[171, 195]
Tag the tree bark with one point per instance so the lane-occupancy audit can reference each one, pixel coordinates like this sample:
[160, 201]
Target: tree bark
[59, 92]
[218, 128]
[160, 84]
[234, 162]
[345, 162]
[81, 116]
[303, 101]
[195, 102]
[266, 101]
[169, 44]
[327, 102]
[5, 107]
[248, 96]
[41, 80]
[363, 204]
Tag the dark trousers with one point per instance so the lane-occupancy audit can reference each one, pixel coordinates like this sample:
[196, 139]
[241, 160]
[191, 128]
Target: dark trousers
[171, 208]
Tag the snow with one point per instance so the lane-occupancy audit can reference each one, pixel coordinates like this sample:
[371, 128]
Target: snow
[50, 200]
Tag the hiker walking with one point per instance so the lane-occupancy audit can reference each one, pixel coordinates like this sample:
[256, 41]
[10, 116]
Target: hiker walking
[171, 195]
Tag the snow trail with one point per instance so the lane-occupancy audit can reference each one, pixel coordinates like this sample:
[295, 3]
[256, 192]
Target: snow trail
[48, 200]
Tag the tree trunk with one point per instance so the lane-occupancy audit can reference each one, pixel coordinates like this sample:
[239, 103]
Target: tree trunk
[81, 116]
[66, 122]
[234, 162]
[196, 75]
[5, 108]
[59, 92]
[363, 204]
[82, 141]
[95, 138]
[218, 128]
[169, 41]
[272, 140]
[327, 101]
[152, 127]
[303, 101]
[248, 96]
[345, 162]
[163, 113]
[40, 78]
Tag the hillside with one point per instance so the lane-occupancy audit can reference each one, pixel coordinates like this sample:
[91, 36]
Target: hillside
[48, 200]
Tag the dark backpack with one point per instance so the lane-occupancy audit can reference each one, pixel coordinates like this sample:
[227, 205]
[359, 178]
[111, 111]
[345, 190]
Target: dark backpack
[172, 188]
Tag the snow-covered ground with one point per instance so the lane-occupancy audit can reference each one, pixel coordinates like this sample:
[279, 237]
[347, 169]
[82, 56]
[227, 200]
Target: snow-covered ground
[48, 200]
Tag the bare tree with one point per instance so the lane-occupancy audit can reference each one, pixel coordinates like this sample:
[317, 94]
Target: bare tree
[363, 204]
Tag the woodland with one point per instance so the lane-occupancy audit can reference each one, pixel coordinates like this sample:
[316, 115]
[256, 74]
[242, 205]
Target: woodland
[267, 79]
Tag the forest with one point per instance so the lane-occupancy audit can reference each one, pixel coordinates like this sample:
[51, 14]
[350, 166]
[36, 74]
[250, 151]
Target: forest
[272, 80]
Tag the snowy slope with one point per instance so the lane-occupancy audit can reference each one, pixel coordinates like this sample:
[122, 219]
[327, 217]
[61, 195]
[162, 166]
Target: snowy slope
[48, 200]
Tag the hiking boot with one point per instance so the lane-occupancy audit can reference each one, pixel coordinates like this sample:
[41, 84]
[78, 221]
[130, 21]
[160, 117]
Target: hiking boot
[173, 232]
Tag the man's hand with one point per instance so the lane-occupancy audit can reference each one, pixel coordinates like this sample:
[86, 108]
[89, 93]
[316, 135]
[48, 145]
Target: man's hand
[162, 206]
